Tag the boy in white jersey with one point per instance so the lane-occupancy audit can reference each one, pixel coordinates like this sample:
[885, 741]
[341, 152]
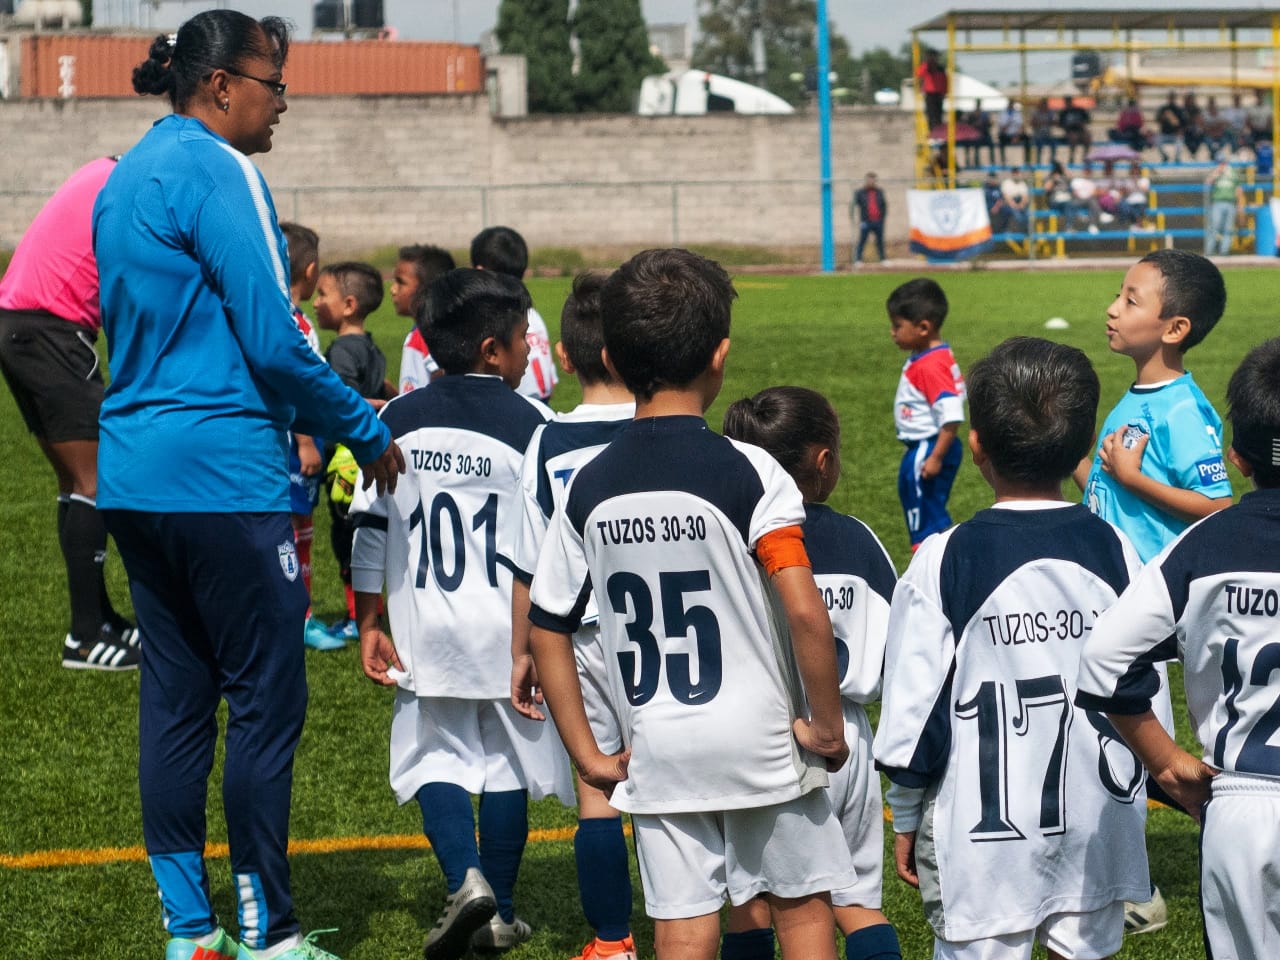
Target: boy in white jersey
[855, 577]
[417, 267]
[1212, 600]
[439, 544]
[718, 761]
[1018, 816]
[556, 452]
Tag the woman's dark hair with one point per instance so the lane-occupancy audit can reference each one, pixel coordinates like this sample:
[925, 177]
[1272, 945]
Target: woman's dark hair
[209, 41]
[787, 422]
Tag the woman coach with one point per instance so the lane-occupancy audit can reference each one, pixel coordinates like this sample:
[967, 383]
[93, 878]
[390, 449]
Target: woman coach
[208, 370]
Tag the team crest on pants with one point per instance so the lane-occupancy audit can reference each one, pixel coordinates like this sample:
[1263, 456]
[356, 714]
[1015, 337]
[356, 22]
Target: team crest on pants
[288, 555]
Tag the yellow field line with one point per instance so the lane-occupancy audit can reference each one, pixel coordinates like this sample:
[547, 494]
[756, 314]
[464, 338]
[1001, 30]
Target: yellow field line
[40, 859]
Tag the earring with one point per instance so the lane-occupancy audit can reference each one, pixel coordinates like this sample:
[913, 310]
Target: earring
[225, 105]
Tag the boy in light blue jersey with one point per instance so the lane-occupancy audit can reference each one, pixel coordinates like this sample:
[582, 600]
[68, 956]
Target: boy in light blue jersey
[1158, 467]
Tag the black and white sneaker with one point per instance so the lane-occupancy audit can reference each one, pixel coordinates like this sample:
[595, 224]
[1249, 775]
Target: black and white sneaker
[106, 652]
[122, 632]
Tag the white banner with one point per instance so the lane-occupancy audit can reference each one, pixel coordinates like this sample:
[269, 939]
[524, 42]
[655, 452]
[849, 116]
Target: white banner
[948, 224]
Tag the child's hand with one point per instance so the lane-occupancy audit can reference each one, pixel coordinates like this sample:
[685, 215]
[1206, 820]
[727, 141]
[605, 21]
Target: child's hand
[904, 857]
[604, 771]
[828, 744]
[930, 468]
[310, 462]
[1187, 779]
[377, 653]
[1123, 462]
[525, 692]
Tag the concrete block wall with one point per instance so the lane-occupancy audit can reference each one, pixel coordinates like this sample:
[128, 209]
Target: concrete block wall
[371, 171]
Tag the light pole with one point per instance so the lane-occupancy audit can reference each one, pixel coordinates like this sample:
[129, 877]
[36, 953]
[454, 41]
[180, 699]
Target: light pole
[824, 137]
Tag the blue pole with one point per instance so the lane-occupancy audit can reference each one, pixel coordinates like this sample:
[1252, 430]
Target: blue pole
[824, 137]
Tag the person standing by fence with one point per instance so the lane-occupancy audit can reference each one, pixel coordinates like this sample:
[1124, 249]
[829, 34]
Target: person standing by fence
[872, 207]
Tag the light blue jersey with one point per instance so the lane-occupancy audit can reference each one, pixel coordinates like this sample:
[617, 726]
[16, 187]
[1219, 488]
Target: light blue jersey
[1184, 450]
[207, 364]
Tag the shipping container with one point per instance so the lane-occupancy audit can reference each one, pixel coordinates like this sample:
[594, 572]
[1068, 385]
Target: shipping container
[100, 65]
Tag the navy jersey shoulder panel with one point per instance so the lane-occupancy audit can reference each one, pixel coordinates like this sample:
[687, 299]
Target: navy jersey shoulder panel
[561, 437]
[669, 453]
[1243, 538]
[838, 544]
[986, 550]
[482, 405]
[929, 760]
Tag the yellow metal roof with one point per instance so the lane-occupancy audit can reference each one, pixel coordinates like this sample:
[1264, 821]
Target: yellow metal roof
[1103, 19]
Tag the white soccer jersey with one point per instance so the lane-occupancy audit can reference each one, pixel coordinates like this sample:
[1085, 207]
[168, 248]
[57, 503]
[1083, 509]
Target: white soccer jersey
[540, 376]
[856, 579]
[1034, 806]
[416, 365]
[663, 525]
[930, 394]
[1211, 599]
[440, 540]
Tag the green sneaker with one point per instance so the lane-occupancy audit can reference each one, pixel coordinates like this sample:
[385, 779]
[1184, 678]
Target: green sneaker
[223, 948]
[306, 950]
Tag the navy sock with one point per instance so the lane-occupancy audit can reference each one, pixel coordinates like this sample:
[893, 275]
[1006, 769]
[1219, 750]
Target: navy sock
[748, 945]
[504, 829]
[878, 942]
[449, 824]
[83, 538]
[604, 880]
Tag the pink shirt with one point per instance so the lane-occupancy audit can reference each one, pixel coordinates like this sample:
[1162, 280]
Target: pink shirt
[53, 268]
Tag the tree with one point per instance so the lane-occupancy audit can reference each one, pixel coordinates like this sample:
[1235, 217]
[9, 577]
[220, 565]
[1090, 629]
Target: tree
[877, 69]
[540, 30]
[613, 54]
[789, 32]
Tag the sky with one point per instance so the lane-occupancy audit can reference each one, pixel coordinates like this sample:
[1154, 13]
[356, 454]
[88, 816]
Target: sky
[864, 23]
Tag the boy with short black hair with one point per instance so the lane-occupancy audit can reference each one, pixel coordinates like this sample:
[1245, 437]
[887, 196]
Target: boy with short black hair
[1210, 600]
[417, 267]
[928, 407]
[717, 759]
[503, 250]
[1158, 465]
[440, 543]
[346, 293]
[306, 461]
[1015, 815]
[556, 452]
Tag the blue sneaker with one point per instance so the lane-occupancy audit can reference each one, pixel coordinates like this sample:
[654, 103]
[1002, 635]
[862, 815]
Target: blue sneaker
[305, 949]
[315, 636]
[345, 629]
[222, 948]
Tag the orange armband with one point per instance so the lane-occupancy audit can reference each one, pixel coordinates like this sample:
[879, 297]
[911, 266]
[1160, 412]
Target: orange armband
[781, 548]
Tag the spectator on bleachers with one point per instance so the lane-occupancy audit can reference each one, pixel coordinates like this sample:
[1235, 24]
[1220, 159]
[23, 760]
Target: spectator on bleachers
[1016, 193]
[1011, 132]
[1133, 198]
[1084, 199]
[1057, 193]
[1258, 119]
[932, 77]
[1214, 127]
[1226, 207]
[1171, 121]
[1192, 131]
[1110, 192]
[1042, 120]
[980, 120]
[1237, 123]
[1129, 127]
[997, 209]
[1074, 121]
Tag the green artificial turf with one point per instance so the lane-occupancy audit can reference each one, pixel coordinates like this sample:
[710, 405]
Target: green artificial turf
[68, 740]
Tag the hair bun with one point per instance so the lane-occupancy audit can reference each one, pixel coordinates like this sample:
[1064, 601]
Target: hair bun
[152, 76]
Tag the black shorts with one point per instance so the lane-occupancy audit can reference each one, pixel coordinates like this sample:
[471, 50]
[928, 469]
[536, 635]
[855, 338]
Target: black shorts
[54, 373]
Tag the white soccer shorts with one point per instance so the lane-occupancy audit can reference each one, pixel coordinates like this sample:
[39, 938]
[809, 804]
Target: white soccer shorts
[689, 862]
[478, 744]
[855, 797]
[1074, 936]
[1240, 867]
